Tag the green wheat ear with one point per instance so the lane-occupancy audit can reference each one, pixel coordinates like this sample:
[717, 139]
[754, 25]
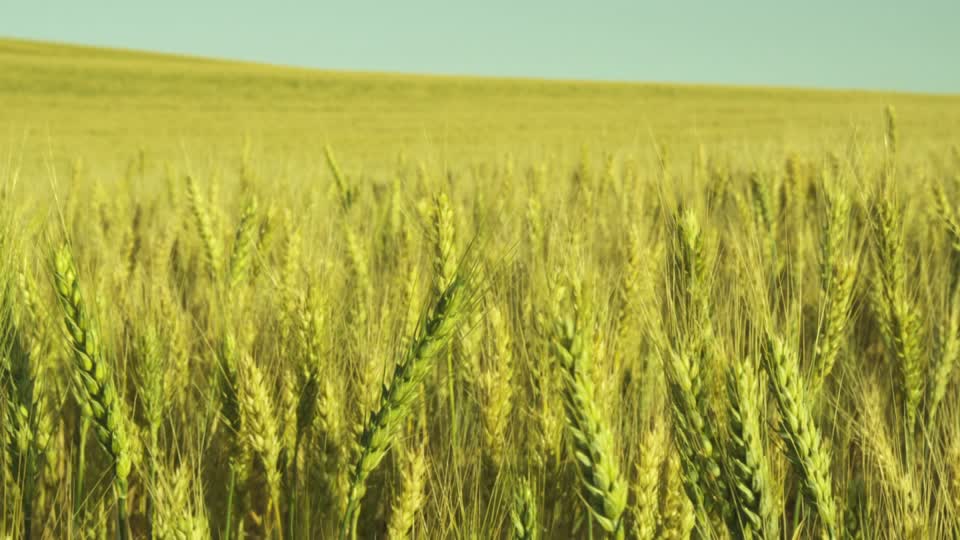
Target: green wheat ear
[897, 312]
[523, 513]
[397, 398]
[647, 486]
[604, 489]
[685, 367]
[241, 258]
[213, 251]
[747, 465]
[93, 377]
[837, 276]
[344, 190]
[24, 407]
[804, 445]
[890, 137]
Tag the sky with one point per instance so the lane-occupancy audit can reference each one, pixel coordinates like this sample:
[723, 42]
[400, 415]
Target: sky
[879, 44]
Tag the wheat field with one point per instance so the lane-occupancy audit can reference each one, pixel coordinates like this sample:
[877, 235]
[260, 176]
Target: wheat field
[242, 301]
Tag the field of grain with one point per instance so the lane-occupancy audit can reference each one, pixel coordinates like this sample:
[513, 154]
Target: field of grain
[242, 301]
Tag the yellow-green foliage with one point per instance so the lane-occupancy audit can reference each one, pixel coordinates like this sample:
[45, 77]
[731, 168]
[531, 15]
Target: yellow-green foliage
[318, 304]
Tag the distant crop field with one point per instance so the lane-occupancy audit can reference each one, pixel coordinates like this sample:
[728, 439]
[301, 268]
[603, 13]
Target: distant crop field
[243, 301]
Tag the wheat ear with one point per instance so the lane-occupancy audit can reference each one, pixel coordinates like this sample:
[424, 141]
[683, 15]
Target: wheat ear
[953, 467]
[800, 435]
[344, 189]
[604, 490]
[947, 356]
[684, 366]
[837, 275]
[151, 366]
[523, 513]
[398, 397]
[897, 314]
[940, 372]
[245, 240]
[27, 428]
[890, 138]
[756, 509]
[93, 378]
[496, 385]
[444, 270]
[213, 251]
[647, 485]
[677, 515]
[180, 511]
[228, 386]
[877, 444]
[410, 498]
[259, 428]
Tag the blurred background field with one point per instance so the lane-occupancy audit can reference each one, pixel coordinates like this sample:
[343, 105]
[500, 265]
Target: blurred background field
[105, 105]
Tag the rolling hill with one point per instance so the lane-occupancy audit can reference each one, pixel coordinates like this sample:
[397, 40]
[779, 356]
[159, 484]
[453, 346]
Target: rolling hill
[105, 105]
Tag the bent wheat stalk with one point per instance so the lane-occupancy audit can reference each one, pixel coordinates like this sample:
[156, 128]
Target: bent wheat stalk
[397, 398]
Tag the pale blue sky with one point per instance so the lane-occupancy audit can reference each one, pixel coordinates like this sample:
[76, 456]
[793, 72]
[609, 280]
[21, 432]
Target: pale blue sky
[879, 44]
